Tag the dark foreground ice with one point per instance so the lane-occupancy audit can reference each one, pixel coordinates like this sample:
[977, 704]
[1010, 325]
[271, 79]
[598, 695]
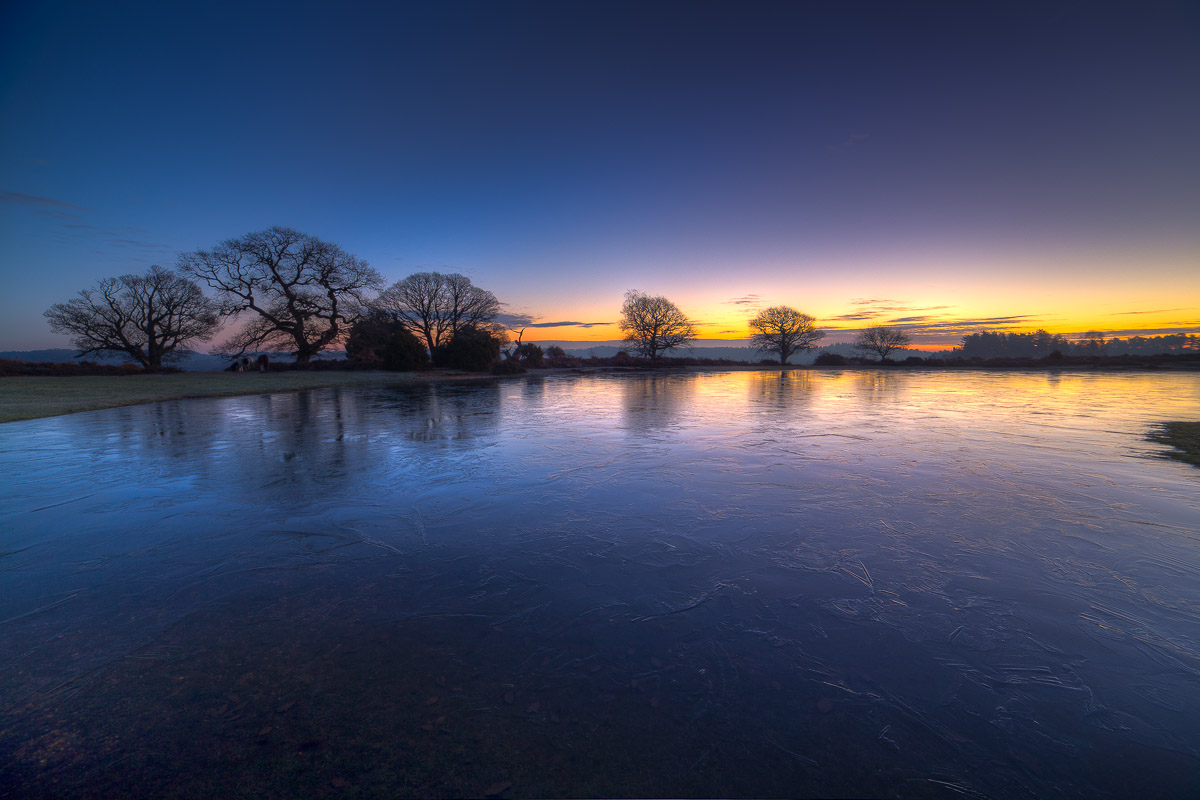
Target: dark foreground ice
[746, 584]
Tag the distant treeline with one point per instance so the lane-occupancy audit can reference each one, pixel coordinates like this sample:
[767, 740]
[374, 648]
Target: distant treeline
[13, 367]
[1040, 344]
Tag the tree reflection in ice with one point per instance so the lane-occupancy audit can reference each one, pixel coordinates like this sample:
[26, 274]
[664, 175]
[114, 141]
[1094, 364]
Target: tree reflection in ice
[752, 583]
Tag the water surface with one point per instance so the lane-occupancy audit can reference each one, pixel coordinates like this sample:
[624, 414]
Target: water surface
[744, 584]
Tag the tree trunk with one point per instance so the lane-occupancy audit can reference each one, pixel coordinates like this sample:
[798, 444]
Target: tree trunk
[304, 348]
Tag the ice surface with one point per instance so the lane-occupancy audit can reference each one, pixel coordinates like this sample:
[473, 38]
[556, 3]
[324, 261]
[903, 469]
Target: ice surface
[811, 583]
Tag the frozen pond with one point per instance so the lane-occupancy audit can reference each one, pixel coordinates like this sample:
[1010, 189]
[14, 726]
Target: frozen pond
[832, 583]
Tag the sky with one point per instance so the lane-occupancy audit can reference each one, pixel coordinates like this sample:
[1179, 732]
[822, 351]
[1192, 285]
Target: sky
[946, 167]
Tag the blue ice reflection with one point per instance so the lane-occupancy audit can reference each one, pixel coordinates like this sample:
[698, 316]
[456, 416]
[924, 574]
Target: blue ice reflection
[752, 583]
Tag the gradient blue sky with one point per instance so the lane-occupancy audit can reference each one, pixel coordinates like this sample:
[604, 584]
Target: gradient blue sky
[950, 165]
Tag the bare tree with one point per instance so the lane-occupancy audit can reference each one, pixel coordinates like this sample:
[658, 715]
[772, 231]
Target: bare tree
[514, 352]
[302, 293]
[653, 325]
[881, 339]
[146, 318]
[784, 331]
[435, 306]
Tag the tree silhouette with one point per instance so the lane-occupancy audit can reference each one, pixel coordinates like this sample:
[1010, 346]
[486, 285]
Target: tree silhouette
[653, 325]
[882, 340]
[436, 306]
[783, 330]
[1093, 343]
[302, 293]
[146, 318]
[471, 348]
[369, 335]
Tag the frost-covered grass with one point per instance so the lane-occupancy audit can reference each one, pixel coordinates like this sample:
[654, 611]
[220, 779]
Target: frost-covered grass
[1184, 437]
[34, 396]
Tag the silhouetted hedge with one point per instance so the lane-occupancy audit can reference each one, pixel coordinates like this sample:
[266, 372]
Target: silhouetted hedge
[370, 335]
[508, 366]
[404, 352]
[72, 368]
[471, 349]
[830, 360]
[530, 354]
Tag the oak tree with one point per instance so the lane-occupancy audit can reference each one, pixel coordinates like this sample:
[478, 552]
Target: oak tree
[653, 325]
[881, 339]
[784, 331]
[148, 319]
[436, 306]
[301, 294]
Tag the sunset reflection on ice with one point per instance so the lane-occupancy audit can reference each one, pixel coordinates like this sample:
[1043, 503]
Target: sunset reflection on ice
[749, 583]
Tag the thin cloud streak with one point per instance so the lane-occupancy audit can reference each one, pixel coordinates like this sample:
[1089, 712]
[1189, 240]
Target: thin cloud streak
[527, 321]
[745, 300]
[20, 199]
[569, 324]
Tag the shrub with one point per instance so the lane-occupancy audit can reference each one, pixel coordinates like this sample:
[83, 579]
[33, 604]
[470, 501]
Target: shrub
[830, 360]
[530, 354]
[471, 349]
[369, 336]
[554, 351]
[404, 352]
[68, 368]
[507, 366]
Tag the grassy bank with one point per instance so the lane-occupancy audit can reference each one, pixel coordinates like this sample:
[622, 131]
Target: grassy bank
[32, 397]
[1184, 437]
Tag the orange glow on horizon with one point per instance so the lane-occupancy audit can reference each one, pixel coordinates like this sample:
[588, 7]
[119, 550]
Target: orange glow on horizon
[937, 295]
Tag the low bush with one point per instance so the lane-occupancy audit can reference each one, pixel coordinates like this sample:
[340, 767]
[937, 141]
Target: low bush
[71, 368]
[471, 349]
[404, 352]
[830, 360]
[530, 354]
[370, 335]
[507, 366]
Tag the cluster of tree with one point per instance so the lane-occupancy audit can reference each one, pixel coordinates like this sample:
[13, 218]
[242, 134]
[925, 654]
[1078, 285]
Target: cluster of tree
[1149, 345]
[429, 317]
[655, 325]
[990, 344]
[1040, 344]
[294, 293]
